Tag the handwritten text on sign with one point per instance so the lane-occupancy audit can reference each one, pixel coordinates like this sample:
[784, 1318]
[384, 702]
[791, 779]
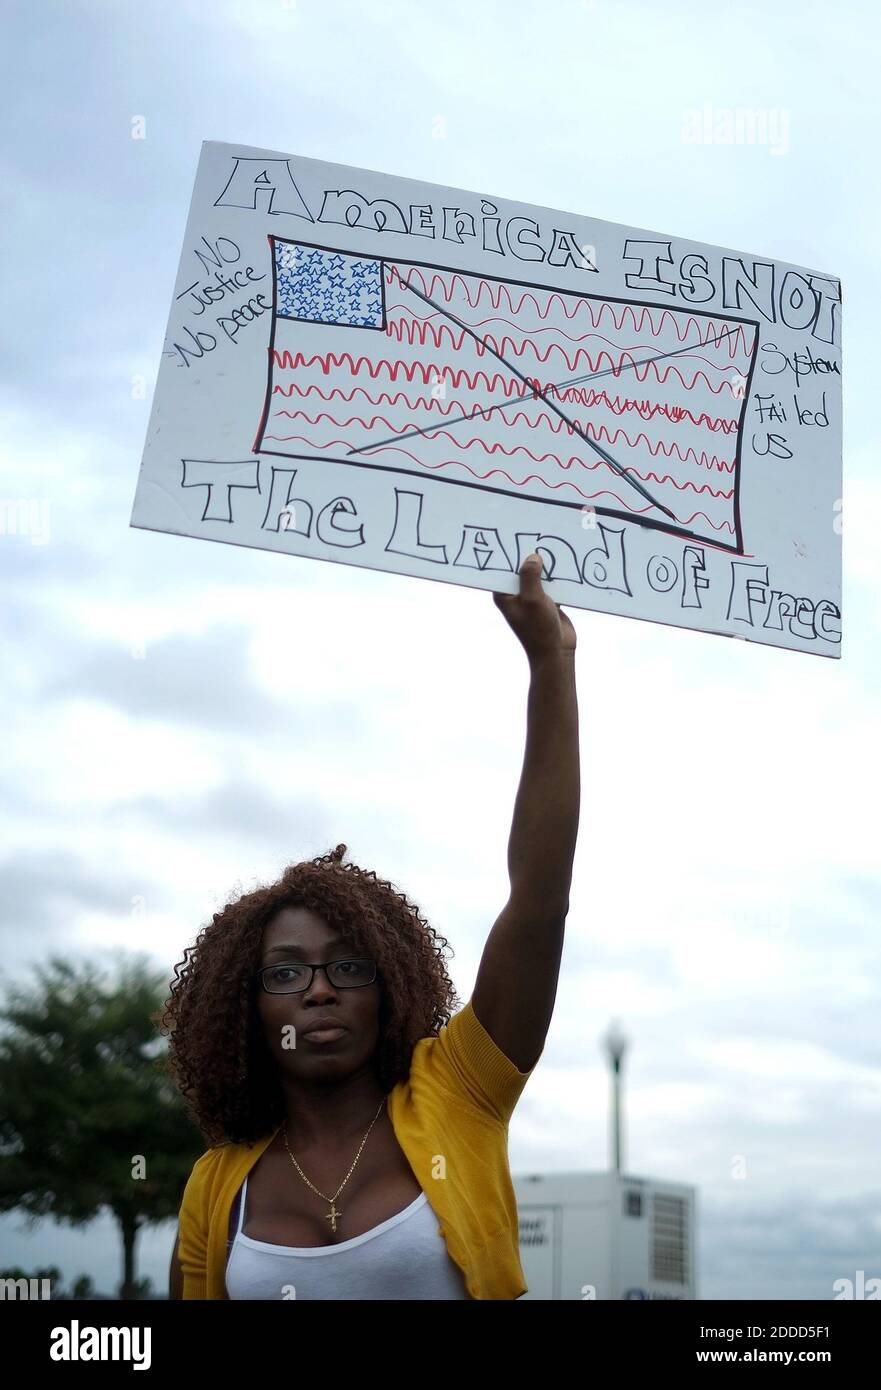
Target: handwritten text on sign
[376, 371]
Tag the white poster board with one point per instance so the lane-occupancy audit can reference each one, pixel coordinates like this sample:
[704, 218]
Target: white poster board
[392, 374]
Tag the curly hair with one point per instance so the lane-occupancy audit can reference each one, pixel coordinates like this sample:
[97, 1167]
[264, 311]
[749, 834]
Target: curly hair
[218, 1055]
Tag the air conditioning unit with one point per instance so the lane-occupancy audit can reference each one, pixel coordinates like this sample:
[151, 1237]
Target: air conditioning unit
[606, 1235]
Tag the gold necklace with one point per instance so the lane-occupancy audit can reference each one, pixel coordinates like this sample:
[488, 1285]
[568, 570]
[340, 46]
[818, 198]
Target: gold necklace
[333, 1213]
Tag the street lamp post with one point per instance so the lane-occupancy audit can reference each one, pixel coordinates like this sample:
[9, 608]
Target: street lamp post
[616, 1046]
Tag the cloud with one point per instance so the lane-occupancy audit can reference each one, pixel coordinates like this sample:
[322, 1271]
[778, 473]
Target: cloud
[238, 808]
[796, 1247]
[47, 898]
[200, 680]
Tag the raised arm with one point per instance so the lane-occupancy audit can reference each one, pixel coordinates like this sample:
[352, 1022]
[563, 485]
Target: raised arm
[516, 984]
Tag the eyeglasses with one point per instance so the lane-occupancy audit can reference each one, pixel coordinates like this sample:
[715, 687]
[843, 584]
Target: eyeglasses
[294, 978]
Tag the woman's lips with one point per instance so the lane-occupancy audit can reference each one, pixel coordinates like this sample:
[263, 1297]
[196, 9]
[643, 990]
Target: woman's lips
[324, 1035]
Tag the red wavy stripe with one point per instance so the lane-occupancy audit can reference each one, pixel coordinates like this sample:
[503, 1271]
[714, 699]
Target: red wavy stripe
[384, 398]
[668, 450]
[739, 339]
[329, 362]
[493, 472]
[509, 453]
[587, 396]
[409, 317]
[580, 395]
[506, 347]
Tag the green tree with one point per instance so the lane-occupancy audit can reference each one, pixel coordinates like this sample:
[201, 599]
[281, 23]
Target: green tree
[89, 1118]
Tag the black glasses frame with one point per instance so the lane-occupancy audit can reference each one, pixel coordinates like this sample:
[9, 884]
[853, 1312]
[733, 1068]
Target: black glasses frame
[312, 967]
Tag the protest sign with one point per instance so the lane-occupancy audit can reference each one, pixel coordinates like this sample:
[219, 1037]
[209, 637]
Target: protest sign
[387, 373]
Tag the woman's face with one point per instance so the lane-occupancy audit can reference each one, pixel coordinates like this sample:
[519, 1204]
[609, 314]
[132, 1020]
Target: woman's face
[297, 935]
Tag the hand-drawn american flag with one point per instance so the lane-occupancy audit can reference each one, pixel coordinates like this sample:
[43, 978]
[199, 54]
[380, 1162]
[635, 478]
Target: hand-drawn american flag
[508, 386]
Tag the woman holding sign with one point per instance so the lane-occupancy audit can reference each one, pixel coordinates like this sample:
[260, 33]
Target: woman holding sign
[359, 1133]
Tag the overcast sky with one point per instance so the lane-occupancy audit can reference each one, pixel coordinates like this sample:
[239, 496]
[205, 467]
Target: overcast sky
[183, 719]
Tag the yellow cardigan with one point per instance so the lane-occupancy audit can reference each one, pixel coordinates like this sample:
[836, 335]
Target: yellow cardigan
[451, 1118]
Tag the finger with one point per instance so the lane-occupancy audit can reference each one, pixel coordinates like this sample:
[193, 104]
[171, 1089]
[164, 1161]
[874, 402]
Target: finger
[530, 574]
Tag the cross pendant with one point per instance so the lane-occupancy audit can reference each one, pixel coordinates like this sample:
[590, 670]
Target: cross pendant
[332, 1216]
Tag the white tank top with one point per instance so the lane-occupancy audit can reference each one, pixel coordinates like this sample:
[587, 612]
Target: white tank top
[403, 1258]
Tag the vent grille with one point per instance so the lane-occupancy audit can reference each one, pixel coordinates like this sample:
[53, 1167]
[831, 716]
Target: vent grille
[669, 1239]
